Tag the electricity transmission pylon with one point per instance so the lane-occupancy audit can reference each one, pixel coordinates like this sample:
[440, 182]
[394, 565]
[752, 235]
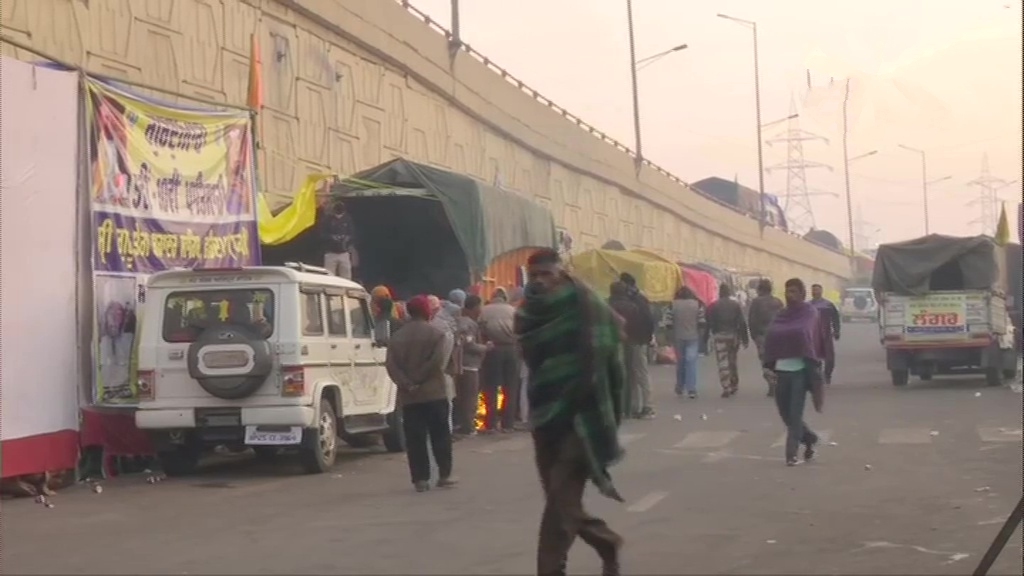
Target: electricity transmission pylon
[797, 198]
[988, 197]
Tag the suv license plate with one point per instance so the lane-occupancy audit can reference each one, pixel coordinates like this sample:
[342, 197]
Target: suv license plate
[254, 436]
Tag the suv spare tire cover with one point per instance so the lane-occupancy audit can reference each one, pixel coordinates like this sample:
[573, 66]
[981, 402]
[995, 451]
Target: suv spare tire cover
[234, 386]
[860, 302]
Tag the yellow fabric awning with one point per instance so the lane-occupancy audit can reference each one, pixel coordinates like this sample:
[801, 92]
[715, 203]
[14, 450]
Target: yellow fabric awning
[296, 218]
[657, 277]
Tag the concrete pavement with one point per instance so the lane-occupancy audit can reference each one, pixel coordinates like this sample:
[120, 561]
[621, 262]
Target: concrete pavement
[913, 480]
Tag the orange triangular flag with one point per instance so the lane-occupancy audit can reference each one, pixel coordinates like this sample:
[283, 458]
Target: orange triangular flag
[255, 100]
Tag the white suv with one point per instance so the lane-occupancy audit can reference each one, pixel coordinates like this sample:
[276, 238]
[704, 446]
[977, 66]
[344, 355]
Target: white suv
[859, 304]
[268, 357]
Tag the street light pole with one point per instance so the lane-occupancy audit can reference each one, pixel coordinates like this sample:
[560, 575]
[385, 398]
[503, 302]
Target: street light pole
[924, 184]
[645, 62]
[757, 105]
[760, 139]
[636, 93]
[456, 29]
[846, 174]
[924, 192]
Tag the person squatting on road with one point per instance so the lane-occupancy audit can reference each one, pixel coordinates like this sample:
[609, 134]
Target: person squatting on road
[688, 323]
[416, 359]
[638, 332]
[728, 331]
[570, 342]
[831, 326]
[792, 348]
[763, 309]
[467, 383]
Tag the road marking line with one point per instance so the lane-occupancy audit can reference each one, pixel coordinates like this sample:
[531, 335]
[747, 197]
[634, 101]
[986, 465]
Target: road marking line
[999, 434]
[707, 439]
[712, 457]
[647, 502]
[905, 436]
[626, 439]
[823, 438]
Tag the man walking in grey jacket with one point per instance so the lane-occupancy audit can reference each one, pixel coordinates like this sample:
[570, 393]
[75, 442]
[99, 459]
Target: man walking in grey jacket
[762, 311]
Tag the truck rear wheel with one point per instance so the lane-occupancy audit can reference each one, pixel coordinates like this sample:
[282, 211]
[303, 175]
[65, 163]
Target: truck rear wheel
[900, 377]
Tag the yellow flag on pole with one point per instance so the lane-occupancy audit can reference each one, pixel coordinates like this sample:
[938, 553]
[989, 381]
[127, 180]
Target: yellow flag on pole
[1003, 228]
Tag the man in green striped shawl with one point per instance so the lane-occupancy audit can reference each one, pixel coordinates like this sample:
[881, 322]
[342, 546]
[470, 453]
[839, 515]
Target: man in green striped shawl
[570, 341]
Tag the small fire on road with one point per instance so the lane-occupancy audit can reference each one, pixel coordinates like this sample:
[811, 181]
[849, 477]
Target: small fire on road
[481, 408]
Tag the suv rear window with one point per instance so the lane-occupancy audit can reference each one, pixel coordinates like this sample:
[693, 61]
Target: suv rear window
[188, 314]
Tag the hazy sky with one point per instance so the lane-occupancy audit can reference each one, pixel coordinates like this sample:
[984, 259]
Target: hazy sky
[939, 75]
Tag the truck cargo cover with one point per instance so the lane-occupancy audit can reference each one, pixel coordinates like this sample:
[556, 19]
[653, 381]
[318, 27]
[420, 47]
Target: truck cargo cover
[488, 221]
[906, 267]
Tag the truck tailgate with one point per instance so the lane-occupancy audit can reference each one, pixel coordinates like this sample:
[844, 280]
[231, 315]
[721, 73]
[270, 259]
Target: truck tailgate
[953, 318]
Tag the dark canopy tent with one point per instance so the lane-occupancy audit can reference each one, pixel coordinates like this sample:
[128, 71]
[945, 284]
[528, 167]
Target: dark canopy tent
[420, 229]
[937, 262]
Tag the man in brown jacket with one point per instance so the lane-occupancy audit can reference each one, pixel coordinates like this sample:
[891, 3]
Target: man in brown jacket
[416, 363]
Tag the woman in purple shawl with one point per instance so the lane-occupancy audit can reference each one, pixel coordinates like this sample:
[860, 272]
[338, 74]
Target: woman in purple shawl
[793, 349]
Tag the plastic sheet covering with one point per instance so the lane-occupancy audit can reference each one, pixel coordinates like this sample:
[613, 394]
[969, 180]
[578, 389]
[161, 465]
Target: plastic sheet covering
[658, 278]
[907, 267]
[487, 221]
[39, 228]
[296, 218]
[704, 284]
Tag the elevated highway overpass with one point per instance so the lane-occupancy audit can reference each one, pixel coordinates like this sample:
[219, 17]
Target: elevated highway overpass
[352, 83]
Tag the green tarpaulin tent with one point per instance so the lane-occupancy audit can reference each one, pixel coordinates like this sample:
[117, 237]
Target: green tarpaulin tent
[447, 226]
[487, 221]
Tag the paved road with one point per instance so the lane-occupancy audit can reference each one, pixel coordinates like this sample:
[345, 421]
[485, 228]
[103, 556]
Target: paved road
[704, 496]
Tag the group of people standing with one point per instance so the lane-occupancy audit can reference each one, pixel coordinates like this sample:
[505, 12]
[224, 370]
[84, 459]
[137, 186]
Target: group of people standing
[730, 326]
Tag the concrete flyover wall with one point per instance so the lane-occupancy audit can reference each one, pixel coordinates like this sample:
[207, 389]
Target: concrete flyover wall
[352, 83]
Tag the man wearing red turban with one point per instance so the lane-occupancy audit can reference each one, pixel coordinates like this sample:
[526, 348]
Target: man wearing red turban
[416, 361]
